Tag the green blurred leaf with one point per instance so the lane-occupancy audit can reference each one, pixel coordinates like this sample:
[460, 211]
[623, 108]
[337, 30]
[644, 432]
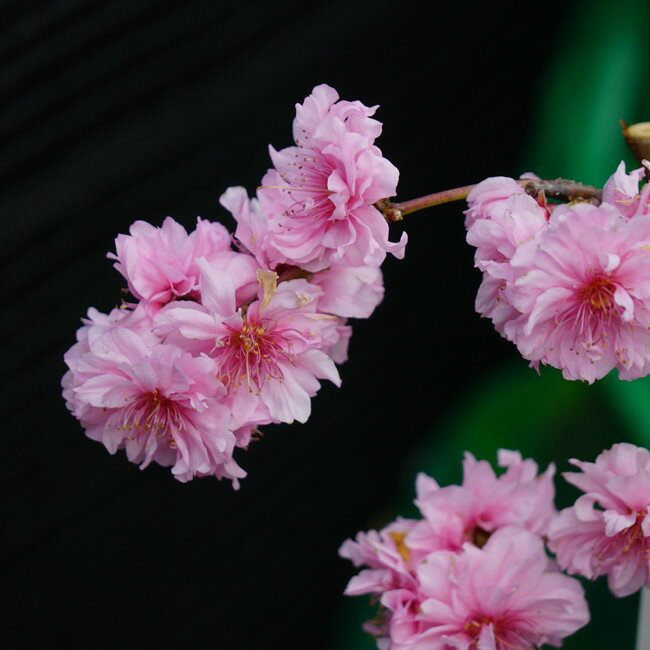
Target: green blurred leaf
[598, 76]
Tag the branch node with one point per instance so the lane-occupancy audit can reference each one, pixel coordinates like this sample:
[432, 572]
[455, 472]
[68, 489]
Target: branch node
[390, 212]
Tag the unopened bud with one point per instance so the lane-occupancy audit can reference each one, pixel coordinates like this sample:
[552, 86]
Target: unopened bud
[637, 137]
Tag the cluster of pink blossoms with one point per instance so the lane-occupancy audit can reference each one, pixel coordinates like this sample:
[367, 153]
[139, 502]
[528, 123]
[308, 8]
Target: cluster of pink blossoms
[568, 284]
[226, 335]
[473, 572]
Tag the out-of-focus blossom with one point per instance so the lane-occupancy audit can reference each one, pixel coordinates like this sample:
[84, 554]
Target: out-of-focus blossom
[483, 503]
[622, 190]
[319, 197]
[607, 531]
[455, 518]
[505, 595]
[391, 563]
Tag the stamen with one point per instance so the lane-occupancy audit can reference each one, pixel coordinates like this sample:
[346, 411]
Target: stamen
[252, 354]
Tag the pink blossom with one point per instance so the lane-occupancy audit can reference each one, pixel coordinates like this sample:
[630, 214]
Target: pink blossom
[485, 502]
[337, 350]
[498, 229]
[582, 289]
[607, 531]
[159, 264]
[455, 518]
[622, 190]
[94, 327]
[390, 561]
[487, 199]
[349, 291]
[472, 511]
[155, 401]
[505, 595]
[319, 198]
[252, 226]
[270, 355]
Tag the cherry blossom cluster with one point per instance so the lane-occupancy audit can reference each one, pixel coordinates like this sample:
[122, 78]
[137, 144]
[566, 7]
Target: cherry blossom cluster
[473, 570]
[568, 284]
[226, 334]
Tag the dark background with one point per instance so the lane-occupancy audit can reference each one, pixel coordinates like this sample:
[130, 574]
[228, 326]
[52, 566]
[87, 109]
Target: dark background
[114, 111]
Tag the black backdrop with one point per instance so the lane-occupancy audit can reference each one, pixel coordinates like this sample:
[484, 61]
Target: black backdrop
[117, 110]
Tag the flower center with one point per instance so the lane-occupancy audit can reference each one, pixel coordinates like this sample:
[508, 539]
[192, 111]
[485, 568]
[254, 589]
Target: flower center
[151, 413]
[599, 294]
[307, 194]
[478, 536]
[593, 309]
[630, 544]
[251, 355]
[504, 629]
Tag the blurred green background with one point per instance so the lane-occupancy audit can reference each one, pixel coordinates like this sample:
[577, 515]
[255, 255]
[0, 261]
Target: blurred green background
[599, 75]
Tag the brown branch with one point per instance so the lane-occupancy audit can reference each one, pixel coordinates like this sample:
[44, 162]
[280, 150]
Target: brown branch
[563, 190]
[560, 189]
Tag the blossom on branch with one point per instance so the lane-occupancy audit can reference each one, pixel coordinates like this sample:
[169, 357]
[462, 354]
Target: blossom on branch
[319, 197]
[568, 284]
[224, 334]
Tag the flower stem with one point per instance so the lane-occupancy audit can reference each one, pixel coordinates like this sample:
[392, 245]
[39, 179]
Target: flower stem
[643, 624]
[560, 188]
[438, 198]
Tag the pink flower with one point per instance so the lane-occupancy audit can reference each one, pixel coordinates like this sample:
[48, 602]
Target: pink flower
[622, 190]
[93, 329]
[268, 355]
[337, 351]
[487, 199]
[252, 226]
[483, 504]
[156, 401]
[159, 264]
[505, 595]
[497, 230]
[349, 291]
[583, 291]
[319, 199]
[390, 561]
[455, 518]
[607, 531]
[471, 512]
